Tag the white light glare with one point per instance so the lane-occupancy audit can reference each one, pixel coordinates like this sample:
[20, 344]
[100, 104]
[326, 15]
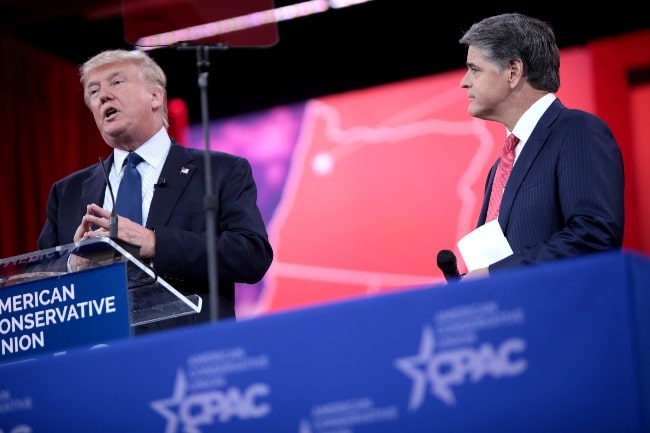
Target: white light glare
[242, 22]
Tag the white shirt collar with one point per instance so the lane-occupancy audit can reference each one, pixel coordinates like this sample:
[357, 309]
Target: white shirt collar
[153, 151]
[528, 121]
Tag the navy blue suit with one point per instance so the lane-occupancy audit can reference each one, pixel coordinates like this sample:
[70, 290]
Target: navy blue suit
[564, 196]
[178, 216]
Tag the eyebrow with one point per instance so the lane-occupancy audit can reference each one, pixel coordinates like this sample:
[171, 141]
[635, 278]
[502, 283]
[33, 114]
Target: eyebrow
[110, 77]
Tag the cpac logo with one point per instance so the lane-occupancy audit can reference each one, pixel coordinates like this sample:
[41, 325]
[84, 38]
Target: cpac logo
[195, 410]
[442, 370]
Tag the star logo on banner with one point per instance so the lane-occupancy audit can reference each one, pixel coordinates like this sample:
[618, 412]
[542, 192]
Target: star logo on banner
[165, 406]
[416, 368]
[443, 370]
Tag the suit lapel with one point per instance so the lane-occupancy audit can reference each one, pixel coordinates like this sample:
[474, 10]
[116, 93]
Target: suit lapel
[178, 170]
[527, 157]
[94, 187]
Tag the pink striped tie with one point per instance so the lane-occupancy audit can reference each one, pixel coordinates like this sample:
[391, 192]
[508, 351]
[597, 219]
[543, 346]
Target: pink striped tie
[501, 176]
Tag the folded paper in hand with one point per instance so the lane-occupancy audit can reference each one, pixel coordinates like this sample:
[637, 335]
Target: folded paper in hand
[484, 246]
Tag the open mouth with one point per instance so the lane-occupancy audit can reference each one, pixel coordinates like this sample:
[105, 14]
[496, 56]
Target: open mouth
[109, 112]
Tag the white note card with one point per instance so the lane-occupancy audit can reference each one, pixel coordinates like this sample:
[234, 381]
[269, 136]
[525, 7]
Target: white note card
[484, 246]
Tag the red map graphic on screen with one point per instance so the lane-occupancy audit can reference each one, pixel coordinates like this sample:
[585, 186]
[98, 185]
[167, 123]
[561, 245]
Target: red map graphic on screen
[361, 190]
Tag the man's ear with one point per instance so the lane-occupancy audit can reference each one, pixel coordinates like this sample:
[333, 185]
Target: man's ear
[157, 97]
[516, 70]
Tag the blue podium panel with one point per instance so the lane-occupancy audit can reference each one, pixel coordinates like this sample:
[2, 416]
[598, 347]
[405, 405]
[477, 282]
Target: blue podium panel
[49, 315]
[554, 348]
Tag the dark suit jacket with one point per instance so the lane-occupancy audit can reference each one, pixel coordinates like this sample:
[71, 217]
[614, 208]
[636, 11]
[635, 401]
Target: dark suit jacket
[564, 196]
[178, 216]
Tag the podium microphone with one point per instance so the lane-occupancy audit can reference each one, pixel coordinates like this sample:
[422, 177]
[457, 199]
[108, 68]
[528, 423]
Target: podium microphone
[448, 265]
[112, 225]
[112, 222]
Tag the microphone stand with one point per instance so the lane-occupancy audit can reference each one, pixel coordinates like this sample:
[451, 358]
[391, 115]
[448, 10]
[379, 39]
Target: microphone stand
[210, 203]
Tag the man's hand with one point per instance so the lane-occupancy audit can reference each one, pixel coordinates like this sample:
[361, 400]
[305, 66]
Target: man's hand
[96, 223]
[476, 273]
[78, 263]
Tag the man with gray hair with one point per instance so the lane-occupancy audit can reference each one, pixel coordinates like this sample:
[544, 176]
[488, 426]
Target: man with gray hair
[562, 193]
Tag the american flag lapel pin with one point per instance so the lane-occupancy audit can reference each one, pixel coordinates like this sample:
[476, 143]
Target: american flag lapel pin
[185, 170]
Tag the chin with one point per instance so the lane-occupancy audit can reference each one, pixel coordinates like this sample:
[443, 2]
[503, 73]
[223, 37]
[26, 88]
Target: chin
[110, 130]
[474, 111]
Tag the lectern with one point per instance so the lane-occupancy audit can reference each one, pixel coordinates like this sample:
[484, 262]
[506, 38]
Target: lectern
[47, 307]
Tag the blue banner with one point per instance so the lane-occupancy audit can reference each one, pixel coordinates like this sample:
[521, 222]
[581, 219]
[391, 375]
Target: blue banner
[50, 315]
[553, 348]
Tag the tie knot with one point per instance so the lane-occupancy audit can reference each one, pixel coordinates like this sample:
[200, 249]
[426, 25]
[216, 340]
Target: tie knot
[133, 159]
[510, 144]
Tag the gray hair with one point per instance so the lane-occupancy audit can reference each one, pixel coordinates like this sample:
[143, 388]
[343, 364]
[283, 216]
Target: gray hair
[150, 72]
[513, 36]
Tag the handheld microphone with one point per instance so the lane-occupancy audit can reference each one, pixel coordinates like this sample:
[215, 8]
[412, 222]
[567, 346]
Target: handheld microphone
[112, 225]
[448, 265]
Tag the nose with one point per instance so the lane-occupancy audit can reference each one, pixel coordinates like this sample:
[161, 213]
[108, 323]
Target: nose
[105, 95]
[464, 82]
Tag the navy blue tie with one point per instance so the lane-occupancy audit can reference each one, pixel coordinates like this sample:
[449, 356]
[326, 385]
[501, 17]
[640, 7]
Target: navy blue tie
[129, 194]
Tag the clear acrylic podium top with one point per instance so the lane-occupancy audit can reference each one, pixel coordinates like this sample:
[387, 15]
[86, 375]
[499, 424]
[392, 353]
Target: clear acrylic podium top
[150, 297]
